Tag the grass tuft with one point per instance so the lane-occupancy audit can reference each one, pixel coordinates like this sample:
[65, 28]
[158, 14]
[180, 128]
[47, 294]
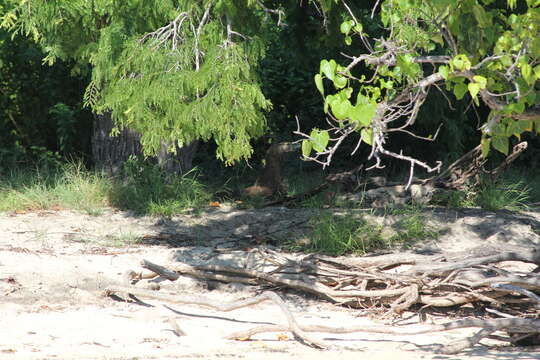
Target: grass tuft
[143, 189]
[338, 235]
[509, 192]
[70, 186]
[504, 195]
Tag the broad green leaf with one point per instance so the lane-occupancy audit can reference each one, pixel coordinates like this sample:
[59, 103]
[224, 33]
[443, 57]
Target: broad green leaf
[319, 140]
[341, 108]
[328, 68]
[499, 129]
[517, 127]
[386, 84]
[408, 66]
[485, 142]
[362, 99]
[482, 81]
[346, 93]
[506, 60]
[517, 108]
[306, 148]
[319, 83]
[358, 28]
[367, 136]
[437, 38]
[474, 88]
[530, 98]
[537, 72]
[348, 40]
[340, 81]
[346, 27]
[460, 90]
[363, 113]
[461, 62]
[526, 72]
[500, 143]
[444, 70]
[514, 129]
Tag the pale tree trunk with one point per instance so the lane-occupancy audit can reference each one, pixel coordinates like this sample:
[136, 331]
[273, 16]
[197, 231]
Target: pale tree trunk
[110, 152]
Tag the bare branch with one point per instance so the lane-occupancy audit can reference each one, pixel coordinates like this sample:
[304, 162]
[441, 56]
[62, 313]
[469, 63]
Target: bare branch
[267, 10]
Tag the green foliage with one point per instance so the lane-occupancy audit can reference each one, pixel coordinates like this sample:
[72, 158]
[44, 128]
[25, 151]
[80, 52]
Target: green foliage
[338, 235]
[497, 64]
[335, 235]
[65, 120]
[503, 195]
[40, 106]
[513, 191]
[145, 189]
[455, 199]
[411, 226]
[173, 70]
[68, 186]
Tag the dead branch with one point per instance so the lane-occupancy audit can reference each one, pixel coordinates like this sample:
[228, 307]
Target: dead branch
[191, 271]
[526, 255]
[160, 270]
[225, 307]
[438, 281]
[513, 325]
[470, 166]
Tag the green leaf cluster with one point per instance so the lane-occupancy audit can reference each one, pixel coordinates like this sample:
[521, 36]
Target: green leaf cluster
[484, 50]
[201, 84]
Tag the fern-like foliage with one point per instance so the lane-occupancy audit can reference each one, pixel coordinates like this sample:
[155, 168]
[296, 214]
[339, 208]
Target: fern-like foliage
[175, 71]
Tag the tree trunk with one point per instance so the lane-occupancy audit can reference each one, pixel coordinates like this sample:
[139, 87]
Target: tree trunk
[110, 152]
[179, 163]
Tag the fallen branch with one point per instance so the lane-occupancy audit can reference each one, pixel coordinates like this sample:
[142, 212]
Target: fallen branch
[442, 280]
[514, 325]
[225, 307]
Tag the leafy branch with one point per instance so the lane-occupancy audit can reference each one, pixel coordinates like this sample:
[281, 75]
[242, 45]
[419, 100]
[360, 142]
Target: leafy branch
[426, 47]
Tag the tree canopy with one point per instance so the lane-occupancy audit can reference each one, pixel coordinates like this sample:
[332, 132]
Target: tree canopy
[488, 51]
[175, 71]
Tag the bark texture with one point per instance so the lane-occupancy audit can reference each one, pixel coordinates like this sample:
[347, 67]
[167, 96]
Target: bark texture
[110, 152]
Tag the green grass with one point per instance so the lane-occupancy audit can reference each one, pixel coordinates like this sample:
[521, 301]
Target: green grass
[122, 239]
[513, 196]
[512, 192]
[69, 186]
[338, 235]
[411, 226]
[146, 190]
[142, 189]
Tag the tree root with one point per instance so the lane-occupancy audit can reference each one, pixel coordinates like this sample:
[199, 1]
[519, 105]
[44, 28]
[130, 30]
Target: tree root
[488, 327]
[225, 307]
[438, 281]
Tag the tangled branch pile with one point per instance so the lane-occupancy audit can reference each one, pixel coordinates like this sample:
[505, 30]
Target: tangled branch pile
[395, 282]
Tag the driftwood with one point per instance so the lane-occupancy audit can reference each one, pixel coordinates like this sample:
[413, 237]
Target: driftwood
[512, 325]
[471, 165]
[201, 301]
[392, 282]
